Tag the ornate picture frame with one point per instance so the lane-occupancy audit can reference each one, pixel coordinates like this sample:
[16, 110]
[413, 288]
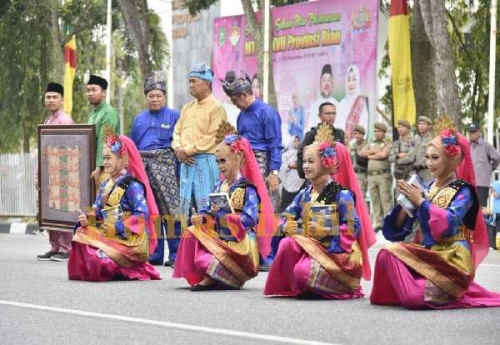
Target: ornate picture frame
[66, 158]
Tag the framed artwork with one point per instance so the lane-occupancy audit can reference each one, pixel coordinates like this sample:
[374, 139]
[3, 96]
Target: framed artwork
[66, 158]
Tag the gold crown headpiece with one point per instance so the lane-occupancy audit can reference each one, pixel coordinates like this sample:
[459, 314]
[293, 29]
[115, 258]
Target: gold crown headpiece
[444, 122]
[325, 135]
[225, 128]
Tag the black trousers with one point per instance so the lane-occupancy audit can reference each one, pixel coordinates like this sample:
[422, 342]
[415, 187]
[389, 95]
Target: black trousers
[482, 195]
[287, 198]
[492, 232]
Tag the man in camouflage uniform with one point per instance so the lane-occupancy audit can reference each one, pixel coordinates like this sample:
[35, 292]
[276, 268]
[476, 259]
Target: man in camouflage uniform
[403, 152]
[420, 166]
[379, 174]
[360, 162]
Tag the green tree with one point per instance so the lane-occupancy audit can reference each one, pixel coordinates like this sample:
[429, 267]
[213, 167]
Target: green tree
[35, 57]
[143, 28]
[422, 54]
[470, 41]
[461, 81]
[25, 66]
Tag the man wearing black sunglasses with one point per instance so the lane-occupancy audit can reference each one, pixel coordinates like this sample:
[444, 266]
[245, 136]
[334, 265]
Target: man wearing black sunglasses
[327, 114]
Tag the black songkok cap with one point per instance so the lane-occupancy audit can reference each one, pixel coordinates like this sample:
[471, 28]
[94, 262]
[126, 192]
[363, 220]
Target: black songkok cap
[326, 69]
[55, 87]
[96, 80]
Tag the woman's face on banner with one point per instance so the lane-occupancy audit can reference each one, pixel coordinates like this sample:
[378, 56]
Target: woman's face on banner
[352, 82]
[256, 87]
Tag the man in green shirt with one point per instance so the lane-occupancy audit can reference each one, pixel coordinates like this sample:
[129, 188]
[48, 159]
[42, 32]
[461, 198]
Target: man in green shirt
[104, 115]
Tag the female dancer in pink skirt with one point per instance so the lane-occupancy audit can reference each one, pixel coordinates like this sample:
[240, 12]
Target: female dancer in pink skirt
[116, 241]
[326, 256]
[432, 262]
[221, 248]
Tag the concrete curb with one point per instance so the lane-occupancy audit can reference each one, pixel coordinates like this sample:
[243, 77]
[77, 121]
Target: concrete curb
[18, 228]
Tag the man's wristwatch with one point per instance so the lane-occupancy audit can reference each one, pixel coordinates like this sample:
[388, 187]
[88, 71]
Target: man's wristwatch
[275, 172]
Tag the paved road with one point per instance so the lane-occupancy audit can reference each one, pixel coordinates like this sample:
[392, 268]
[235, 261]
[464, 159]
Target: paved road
[39, 305]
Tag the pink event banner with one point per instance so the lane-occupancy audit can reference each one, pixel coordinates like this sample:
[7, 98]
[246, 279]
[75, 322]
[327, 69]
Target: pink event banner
[323, 51]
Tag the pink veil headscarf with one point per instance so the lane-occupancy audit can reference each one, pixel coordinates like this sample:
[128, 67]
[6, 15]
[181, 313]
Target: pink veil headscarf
[346, 177]
[465, 171]
[136, 169]
[267, 223]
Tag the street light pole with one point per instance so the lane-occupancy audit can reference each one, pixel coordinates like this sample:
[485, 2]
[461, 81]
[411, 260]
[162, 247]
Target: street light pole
[108, 50]
[170, 39]
[265, 69]
[491, 95]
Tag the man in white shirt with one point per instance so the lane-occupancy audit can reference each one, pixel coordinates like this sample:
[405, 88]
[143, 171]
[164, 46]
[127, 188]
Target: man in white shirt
[326, 89]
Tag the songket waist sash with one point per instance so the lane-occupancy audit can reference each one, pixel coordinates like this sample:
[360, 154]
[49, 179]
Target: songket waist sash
[130, 252]
[448, 266]
[241, 258]
[346, 268]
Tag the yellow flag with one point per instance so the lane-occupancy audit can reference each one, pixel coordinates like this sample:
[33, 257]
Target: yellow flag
[400, 56]
[69, 73]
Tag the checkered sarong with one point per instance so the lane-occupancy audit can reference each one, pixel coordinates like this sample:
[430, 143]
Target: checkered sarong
[161, 168]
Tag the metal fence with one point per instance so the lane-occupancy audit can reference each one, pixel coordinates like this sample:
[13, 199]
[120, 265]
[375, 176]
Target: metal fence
[17, 184]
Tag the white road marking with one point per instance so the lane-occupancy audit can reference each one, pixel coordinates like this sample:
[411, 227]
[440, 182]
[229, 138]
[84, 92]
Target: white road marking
[166, 324]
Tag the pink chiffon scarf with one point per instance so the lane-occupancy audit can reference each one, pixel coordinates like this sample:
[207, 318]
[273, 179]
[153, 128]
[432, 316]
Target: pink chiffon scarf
[346, 177]
[267, 222]
[480, 243]
[136, 169]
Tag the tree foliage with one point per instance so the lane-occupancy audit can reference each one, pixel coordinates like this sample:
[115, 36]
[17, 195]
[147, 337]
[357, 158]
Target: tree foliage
[471, 40]
[143, 28]
[32, 38]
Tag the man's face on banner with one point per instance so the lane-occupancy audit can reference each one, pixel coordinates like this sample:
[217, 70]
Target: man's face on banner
[326, 85]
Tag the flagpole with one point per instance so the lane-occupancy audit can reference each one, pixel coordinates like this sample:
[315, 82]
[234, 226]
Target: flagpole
[170, 39]
[265, 69]
[491, 93]
[108, 51]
